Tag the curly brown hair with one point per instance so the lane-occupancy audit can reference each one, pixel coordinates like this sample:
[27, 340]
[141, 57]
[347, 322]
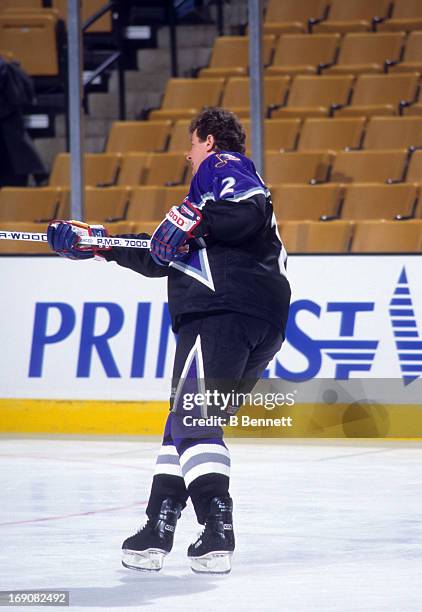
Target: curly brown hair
[228, 132]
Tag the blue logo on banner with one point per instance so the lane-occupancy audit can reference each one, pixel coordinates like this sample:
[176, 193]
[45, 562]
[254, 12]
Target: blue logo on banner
[403, 321]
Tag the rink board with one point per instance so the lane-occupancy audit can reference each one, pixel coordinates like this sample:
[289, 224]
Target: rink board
[87, 347]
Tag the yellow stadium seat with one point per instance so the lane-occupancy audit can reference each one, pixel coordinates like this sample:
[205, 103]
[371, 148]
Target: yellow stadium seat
[297, 167]
[317, 236]
[301, 202]
[291, 15]
[230, 56]
[29, 204]
[414, 172]
[184, 98]
[146, 204]
[367, 52]
[166, 168]
[369, 166]
[312, 96]
[100, 169]
[236, 93]
[145, 227]
[378, 201]
[32, 39]
[412, 58]
[302, 54]
[380, 94]
[393, 132]
[106, 205]
[180, 138]
[331, 134]
[279, 134]
[383, 236]
[352, 16]
[406, 15]
[134, 169]
[174, 196]
[147, 136]
[89, 7]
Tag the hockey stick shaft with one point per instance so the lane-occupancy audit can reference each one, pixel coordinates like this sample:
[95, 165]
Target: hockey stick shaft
[101, 241]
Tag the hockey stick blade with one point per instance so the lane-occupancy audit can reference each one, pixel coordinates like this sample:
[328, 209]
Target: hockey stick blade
[100, 241]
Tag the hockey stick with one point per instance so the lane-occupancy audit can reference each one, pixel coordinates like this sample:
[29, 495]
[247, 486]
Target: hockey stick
[101, 241]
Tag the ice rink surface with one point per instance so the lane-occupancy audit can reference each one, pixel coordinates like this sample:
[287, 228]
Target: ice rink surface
[320, 526]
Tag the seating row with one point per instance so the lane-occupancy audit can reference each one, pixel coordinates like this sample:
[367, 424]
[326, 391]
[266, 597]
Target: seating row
[379, 236]
[331, 53]
[303, 96]
[291, 202]
[28, 32]
[342, 15]
[287, 134]
[167, 169]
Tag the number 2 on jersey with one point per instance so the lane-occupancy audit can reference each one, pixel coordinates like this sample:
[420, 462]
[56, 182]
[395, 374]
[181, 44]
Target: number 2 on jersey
[228, 183]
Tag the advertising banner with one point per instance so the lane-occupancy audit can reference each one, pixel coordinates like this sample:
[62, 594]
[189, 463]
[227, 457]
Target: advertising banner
[91, 330]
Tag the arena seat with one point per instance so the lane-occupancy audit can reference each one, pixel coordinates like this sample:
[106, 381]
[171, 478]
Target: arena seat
[297, 167]
[29, 204]
[378, 201]
[17, 247]
[300, 202]
[152, 169]
[302, 54]
[21, 4]
[393, 133]
[367, 52]
[106, 205]
[120, 227]
[32, 39]
[406, 15]
[180, 137]
[145, 227]
[414, 171]
[382, 236]
[88, 8]
[183, 98]
[173, 196]
[100, 169]
[334, 134]
[166, 168]
[369, 166]
[146, 204]
[279, 134]
[133, 169]
[291, 15]
[316, 236]
[380, 94]
[236, 94]
[414, 108]
[230, 56]
[356, 16]
[312, 96]
[128, 136]
[412, 57]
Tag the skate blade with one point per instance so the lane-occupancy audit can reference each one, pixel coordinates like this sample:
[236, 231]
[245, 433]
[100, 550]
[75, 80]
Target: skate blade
[217, 562]
[149, 560]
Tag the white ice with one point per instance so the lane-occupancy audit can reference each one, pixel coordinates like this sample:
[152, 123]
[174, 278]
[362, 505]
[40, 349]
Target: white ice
[320, 526]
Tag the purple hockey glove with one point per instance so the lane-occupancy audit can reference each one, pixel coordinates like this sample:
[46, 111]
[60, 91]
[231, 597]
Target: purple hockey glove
[63, 237]
[172, 233]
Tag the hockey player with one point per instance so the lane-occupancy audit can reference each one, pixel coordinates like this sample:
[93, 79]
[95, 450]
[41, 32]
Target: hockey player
[228, 298]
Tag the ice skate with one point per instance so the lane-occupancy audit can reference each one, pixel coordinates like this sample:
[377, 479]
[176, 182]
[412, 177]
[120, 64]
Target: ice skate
[145, 551]
[212, 552]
